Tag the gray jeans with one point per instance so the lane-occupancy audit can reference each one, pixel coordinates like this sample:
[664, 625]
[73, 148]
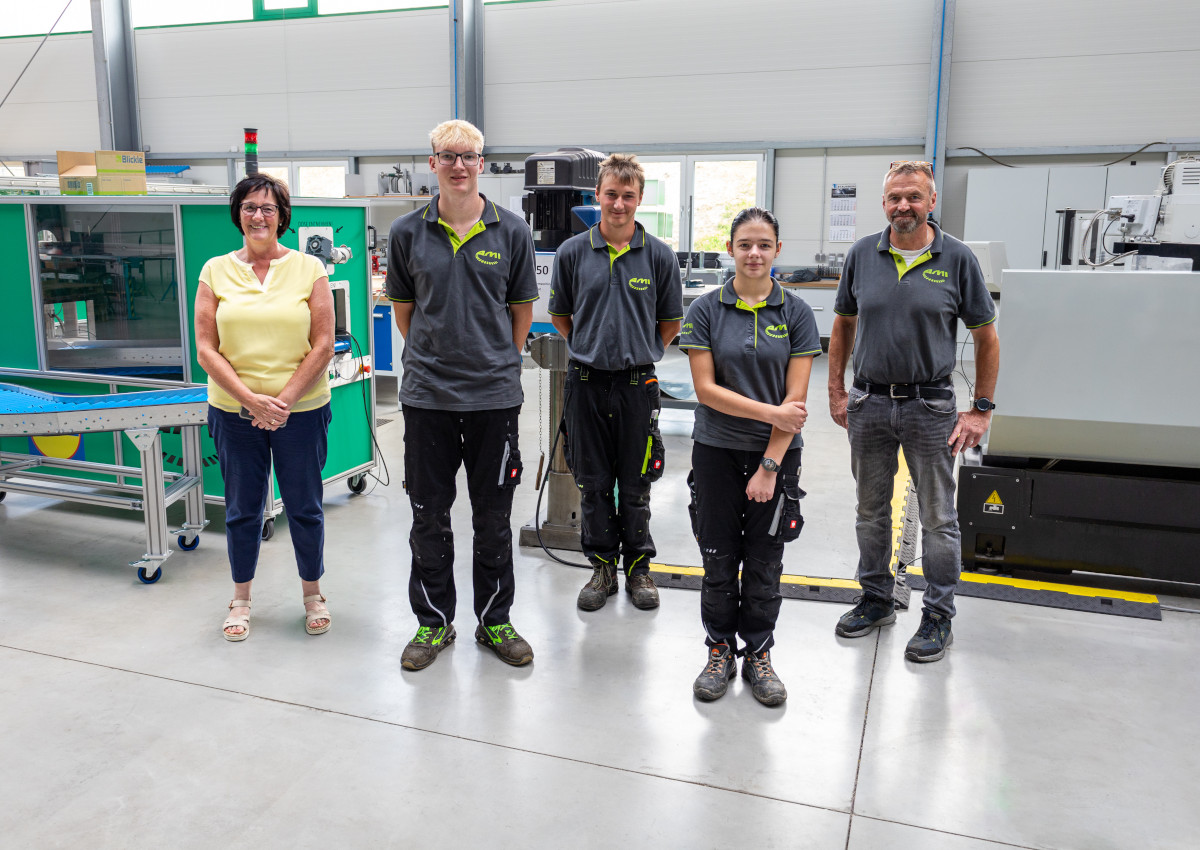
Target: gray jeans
[878, 427]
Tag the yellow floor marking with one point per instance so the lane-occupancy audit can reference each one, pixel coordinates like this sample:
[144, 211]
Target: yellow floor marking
[899, 508]
[1027, 584]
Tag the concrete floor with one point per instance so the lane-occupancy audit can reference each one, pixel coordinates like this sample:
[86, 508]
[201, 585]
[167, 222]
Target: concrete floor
[129, 722]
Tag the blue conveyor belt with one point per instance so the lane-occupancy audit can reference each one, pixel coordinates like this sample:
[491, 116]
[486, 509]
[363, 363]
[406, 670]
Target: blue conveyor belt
[25, 411]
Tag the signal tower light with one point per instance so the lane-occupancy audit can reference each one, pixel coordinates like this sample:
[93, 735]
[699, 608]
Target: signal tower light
[251, 135]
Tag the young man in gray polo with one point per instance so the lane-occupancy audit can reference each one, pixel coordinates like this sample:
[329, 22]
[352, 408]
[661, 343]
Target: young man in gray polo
[901, 296]
[462, 285]
[617, 299]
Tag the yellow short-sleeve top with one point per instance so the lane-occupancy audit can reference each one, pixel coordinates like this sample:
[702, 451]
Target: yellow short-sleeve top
[263, 328]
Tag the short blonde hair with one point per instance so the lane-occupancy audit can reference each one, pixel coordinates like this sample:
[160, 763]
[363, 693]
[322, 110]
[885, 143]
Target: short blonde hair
[456, 133]
[623, 168]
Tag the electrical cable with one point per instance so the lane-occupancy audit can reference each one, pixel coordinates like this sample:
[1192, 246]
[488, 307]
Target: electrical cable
[537, 511]
[1103, 165]
[1083, 240]
[35, 53]
[387, 478]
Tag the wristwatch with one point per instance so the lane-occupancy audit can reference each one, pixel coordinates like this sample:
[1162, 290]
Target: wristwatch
[769, 465]
[984, 405]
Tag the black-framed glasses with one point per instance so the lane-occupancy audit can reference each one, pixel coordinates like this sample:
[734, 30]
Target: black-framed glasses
[268, 210]
[469, 158]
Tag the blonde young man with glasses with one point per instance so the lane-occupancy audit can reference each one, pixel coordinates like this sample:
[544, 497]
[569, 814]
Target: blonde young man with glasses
[901, 296]
[461, 281]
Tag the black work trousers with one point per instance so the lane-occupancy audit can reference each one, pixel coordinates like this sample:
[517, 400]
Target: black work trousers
[436, 443]
[734, 532]
[608, 417]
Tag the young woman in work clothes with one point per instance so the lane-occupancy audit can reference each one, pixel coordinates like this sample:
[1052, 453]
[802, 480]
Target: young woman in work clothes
[751, 346]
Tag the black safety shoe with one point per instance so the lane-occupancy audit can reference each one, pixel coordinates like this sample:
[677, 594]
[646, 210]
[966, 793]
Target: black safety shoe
[423, 649]
[765, 685]
[931, 639]
[713, 680]
[602, 585]
[870, 612]
[640, 587]
[506, 643]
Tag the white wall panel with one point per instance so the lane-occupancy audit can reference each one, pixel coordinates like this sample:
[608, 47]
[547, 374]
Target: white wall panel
[1028, 73]
[802, 199]
[620, 72]
[355, 83]
[53, 107]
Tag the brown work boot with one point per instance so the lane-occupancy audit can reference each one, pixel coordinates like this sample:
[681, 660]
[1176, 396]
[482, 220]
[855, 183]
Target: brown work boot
[603, 584]
[640, 587]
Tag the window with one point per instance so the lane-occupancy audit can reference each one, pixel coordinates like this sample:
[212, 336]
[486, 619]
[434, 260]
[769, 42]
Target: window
[307, 179]
[690, 201]
[162, 13]
[109, 289]
[37, 18]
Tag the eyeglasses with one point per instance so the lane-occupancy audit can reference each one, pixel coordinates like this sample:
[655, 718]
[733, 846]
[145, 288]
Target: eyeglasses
[448, 157]
[919, 163]
[268, 210]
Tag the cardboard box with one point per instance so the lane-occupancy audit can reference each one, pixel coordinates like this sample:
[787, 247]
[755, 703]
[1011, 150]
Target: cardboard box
[102, 172]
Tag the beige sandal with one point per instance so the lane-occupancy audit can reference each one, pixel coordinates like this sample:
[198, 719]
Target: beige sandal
[311, 617]
[242, 620]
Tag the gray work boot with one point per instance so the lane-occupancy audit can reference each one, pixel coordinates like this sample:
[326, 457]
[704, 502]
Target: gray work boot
[603, 584]
[766, 686]
[713, 680]
[640, 587]
[871, 612]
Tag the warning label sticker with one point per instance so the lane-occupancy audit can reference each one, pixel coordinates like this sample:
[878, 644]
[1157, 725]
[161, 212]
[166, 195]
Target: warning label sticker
[993, 505]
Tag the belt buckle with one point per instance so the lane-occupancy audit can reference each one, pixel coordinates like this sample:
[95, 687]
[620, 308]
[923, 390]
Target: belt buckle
[892, 393]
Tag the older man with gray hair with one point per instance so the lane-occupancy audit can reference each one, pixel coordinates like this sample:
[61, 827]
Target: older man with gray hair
[902, 293]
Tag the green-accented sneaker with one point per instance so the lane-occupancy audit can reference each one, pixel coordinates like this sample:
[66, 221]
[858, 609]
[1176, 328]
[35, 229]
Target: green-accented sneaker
[766, 685]
[871, 612]
[506, 643]
[423, 649]
[931, 639]
[713, 680]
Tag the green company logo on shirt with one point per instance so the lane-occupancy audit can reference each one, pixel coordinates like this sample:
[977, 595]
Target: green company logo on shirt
[932, 275]
[488, 258]
[776, 331]
[641, 284]
[686, 329]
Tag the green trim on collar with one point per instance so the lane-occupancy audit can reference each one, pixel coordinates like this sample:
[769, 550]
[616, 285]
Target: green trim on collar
[457, 241]
[613, 253]
[902, 265]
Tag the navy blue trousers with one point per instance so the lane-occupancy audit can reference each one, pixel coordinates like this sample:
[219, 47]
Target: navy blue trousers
[246, 454]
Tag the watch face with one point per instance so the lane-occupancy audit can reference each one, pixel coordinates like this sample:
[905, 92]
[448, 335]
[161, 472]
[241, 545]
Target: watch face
[984, 404]
[769, 465]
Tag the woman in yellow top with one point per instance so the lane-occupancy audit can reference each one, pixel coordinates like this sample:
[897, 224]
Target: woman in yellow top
[264, 335]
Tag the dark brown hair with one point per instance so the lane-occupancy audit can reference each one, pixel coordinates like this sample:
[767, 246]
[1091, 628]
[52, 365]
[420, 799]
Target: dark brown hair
[753, 214]
[255, 183]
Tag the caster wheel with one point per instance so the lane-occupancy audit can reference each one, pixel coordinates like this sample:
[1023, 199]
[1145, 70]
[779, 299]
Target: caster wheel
[149, 578]
[268, 530]
[187, 547]
[357, 483]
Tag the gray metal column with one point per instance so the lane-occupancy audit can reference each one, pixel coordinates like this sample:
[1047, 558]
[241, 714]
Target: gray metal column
[116, 80]
[937, 113]
[466, 60]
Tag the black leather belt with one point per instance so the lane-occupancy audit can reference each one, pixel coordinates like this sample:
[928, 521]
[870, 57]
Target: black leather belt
[629, 372]
[934, 389]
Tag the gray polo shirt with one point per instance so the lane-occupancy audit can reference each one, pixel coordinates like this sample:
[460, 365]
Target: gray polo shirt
[908, 316]
[459, 352]
[616, 304]
[751, 348]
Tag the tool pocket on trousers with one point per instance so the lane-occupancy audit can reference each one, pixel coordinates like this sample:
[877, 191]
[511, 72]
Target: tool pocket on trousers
[693, 509]
[654, 463]
[510, 464]
[788, 521]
